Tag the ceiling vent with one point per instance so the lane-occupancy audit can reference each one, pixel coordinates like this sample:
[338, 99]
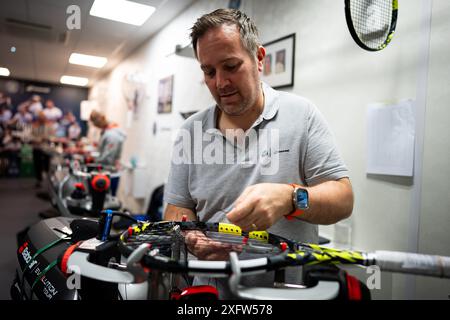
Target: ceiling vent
[33, 31]
[32, 88]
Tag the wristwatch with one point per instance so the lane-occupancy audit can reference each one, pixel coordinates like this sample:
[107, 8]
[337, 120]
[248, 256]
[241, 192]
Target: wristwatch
[300, 200]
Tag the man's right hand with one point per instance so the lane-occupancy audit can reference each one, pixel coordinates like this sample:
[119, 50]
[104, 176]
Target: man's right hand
[205, 248]
[198, 243]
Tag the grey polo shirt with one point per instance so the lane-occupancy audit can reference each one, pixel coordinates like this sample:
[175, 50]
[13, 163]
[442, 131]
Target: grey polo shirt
[289, 143]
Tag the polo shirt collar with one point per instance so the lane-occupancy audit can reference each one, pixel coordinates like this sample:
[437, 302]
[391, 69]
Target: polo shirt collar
[270, 105]
[270, 109]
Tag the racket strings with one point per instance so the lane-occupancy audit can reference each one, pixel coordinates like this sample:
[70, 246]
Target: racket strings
[160, 239]
[245, 244]
[372, 21]
[165, 239]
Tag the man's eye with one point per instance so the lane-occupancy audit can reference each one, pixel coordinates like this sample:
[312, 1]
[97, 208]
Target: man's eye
[209, 73]
[231, 67]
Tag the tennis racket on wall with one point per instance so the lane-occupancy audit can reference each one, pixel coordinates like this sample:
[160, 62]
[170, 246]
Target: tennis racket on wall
[371, 22]
[259, 251]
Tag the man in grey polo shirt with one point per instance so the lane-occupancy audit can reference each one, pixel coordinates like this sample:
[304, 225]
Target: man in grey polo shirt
[236, 161]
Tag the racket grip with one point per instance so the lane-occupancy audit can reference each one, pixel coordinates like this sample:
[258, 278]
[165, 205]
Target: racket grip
[413, 263]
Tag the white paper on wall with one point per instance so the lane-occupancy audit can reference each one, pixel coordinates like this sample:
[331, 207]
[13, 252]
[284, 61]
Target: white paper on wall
[140, 180]
[390, 138]
[129, 120]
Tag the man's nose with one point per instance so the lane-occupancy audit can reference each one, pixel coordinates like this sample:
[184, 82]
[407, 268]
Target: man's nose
[222, 80]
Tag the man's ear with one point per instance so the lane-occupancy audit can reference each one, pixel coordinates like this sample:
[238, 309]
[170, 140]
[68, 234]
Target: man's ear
[260, 54]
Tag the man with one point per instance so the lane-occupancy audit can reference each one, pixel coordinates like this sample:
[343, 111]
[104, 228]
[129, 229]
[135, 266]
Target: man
[5, 101]
[52, 112]
[110, 145]
[74, 129]
[42, 131]
[5, 116]
[22, 118]
[231, 57]
[35, 105]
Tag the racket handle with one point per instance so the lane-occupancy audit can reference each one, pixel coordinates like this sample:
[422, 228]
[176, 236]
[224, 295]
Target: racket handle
[413, 263]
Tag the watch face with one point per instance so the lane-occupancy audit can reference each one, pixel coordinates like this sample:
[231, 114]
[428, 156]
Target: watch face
[302, 199]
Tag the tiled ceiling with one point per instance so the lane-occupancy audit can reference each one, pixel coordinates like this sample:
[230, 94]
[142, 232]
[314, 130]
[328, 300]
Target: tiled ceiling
[38, 31]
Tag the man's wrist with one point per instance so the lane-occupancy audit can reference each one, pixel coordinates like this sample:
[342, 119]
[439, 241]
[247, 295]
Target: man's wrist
[296, 211]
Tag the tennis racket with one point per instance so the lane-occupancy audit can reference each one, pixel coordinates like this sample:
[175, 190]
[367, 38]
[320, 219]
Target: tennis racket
[371, 22]
[259, 251]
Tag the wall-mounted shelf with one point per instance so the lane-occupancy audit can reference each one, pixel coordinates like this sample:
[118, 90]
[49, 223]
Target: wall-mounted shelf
[184, 51]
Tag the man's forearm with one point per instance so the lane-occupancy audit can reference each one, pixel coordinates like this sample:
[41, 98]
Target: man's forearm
[174, 213]
[329, 202]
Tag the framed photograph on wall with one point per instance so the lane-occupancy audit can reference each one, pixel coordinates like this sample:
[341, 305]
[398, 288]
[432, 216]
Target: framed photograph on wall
[165, 94]
[278, 67]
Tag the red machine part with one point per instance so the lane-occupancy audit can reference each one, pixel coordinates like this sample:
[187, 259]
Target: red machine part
[79, 186]
[196, 293]
[100, 183]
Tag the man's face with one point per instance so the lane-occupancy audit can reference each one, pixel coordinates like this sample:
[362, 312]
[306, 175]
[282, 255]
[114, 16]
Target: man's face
[231, 75]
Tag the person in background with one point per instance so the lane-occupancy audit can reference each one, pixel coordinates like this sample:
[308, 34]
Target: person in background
[9, 154]
[6, 108]
[42, 132]
[74, 129]
[110, 144]
[35, 105]
[22, 118]
[68, 127]
[52, 112]
[5, 116]
[5, 101]
[111, 140]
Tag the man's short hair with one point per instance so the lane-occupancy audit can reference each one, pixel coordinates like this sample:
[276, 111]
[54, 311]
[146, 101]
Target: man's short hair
[247, 29]
[98, 119]
[95, 115]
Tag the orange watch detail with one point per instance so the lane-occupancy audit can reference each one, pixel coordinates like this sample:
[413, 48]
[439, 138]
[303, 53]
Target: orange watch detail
[297, 212]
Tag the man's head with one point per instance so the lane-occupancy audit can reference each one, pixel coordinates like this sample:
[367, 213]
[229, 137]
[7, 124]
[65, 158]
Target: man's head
[22, 109]
[36, 98]
[247, 29]
[98, 119]
[227, 46]
[70, 117]
[49, 104]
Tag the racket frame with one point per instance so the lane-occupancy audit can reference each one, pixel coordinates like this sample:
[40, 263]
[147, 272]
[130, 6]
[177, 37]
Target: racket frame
[354, 34]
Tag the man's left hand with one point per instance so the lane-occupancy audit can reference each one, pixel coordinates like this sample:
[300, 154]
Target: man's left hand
[261, 205]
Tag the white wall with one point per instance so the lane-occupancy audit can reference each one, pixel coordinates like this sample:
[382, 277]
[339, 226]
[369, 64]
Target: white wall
[155, 59]
[434, 236]
[332, 71]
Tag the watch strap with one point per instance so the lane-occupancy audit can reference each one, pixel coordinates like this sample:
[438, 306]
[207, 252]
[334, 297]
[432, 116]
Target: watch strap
[296, 212]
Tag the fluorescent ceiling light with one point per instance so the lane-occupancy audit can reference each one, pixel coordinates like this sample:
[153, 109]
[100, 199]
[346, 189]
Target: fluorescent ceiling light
[122, 11]
[77, 81]
[87, 60]
[4, 72]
